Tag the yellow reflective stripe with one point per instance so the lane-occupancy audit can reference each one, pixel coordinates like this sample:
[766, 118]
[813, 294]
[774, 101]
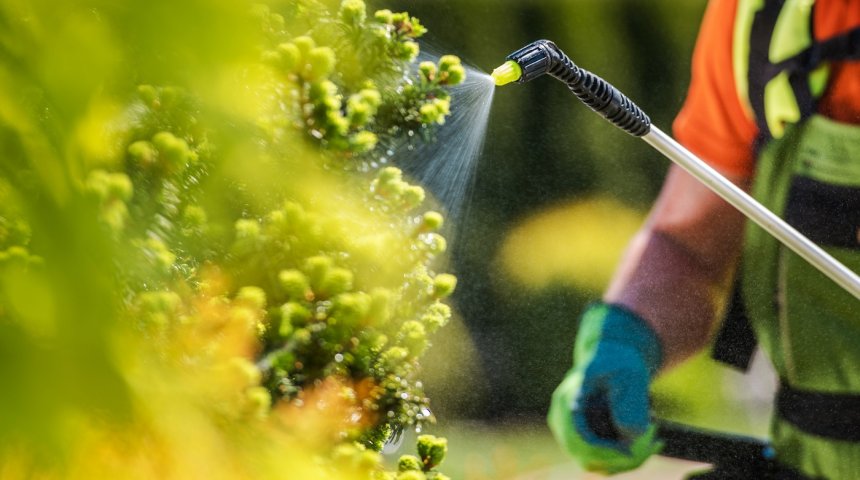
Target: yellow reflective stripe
[791, 32]
[818, 79]
[780, 106]
[741, 49]
[790, 36]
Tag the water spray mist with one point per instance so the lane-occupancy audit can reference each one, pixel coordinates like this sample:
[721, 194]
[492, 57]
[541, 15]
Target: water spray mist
[545, 58]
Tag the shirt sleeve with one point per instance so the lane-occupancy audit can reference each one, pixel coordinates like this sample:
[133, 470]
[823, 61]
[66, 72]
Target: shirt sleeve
[713, 123]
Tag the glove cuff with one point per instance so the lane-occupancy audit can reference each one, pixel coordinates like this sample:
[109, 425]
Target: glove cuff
[609, 322]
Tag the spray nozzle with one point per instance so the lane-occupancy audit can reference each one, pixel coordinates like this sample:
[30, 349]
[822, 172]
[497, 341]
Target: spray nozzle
[544, 57]
[529, 62]
[507, 72]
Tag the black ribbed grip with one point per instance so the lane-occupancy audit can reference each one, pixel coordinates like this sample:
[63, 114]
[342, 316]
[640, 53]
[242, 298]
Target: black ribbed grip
[544, 57]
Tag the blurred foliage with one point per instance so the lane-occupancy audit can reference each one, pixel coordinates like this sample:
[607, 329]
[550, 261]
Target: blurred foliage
[557, 245]
[205, 270]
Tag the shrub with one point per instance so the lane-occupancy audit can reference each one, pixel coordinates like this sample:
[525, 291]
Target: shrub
[225, 248]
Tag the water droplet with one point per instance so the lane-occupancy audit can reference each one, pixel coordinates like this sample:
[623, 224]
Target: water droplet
[338, 357]
[394, 442]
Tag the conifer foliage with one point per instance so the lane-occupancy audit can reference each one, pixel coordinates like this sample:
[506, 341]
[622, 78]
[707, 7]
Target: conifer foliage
[225, 245]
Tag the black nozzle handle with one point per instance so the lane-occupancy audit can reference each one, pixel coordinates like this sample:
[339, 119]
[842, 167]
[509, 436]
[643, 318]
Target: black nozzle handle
[544, 57]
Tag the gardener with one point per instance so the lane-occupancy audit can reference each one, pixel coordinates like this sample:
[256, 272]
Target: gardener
[774, 105]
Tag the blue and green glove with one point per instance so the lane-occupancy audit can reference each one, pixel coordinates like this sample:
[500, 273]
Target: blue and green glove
[600, 412]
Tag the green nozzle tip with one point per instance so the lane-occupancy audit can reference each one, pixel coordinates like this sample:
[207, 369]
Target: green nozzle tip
[507, 72]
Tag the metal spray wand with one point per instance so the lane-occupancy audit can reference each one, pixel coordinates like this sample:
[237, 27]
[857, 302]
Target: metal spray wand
[544, 57]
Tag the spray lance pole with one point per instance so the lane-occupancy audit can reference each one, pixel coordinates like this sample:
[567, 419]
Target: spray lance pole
[544, 57]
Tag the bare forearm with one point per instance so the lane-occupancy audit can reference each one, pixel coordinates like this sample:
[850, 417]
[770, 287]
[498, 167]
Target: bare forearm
[672, 290]
[677, 271]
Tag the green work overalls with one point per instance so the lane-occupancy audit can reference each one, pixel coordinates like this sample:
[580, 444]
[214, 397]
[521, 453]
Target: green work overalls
[808, 172]
[809, 326]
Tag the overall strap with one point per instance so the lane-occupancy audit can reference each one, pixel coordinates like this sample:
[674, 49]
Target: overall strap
[735, 342]
[843, 47]
[769, 77]
[829, 415]
[760, 70]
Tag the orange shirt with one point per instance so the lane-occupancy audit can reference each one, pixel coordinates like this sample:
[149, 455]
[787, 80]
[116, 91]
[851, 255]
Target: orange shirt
[713, 123]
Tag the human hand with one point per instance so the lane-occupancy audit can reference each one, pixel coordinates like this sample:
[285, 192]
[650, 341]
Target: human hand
[599, 412]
